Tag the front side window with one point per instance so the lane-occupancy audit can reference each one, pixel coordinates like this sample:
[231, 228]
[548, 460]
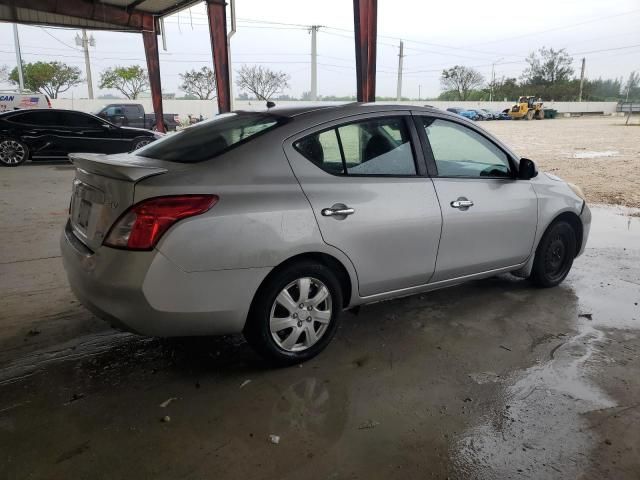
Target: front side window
[460, 152]
[372, 147]
[207, 139]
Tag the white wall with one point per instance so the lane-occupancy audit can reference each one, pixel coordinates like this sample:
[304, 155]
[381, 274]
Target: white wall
[207, 108]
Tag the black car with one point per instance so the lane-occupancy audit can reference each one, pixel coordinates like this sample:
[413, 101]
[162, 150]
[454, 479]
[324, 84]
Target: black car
[52, 133]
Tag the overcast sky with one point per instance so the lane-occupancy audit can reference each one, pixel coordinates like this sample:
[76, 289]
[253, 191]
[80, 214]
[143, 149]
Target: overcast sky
[436, 35]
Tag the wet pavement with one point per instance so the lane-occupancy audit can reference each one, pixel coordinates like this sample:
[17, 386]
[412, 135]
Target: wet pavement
[492, 379]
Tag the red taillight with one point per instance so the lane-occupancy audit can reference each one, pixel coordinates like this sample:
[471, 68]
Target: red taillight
[140, 227]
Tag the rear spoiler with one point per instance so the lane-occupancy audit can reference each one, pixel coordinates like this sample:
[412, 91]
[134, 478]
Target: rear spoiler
[121, 167]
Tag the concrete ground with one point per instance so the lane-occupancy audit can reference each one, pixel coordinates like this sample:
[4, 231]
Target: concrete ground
[493, 379]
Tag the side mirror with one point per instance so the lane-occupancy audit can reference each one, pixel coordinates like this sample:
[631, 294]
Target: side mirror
[527, 169]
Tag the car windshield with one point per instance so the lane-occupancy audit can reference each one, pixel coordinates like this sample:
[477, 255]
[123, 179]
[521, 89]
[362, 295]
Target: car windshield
[208, 139]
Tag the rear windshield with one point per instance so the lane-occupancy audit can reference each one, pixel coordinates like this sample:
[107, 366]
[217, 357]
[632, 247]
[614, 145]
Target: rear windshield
[210, 138]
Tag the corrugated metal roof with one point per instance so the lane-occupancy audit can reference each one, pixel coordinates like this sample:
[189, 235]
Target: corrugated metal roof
[64, 14]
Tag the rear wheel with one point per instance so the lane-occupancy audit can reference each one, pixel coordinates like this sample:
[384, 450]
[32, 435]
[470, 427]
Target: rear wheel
[554, 255]
[140, 142]
[13, 152]
[295, 314]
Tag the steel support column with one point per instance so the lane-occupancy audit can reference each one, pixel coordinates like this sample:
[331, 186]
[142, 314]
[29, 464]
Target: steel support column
[365, 20]
[150, 40]
[216, 11]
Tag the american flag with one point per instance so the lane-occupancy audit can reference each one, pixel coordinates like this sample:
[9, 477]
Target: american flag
[27, 102]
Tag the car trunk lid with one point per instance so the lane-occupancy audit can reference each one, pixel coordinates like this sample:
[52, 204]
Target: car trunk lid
[103, 189]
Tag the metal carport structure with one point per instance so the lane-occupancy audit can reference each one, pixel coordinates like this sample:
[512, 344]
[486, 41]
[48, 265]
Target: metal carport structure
[144, 16]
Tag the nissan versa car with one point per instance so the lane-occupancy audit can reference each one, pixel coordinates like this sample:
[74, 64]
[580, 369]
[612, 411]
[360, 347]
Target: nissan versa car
[54, 133]
[272, 223]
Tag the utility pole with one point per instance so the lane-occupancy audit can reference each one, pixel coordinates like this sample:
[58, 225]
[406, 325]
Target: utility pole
[419, 91]
[16, 43]
[581, 80]
[493, 78]
[400, 57]
[84, 42]
[314, 62]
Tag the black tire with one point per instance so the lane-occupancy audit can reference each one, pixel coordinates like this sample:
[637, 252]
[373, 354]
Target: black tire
[12, 152]
[140, 142]
[257, 330]
[554, 255]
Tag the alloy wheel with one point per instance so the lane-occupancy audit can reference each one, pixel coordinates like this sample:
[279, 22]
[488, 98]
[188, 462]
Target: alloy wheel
[141, 144]
[12, 152]
[300, 314]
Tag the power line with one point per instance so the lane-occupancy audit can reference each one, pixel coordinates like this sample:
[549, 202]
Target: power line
[58, 40]
[563, 27]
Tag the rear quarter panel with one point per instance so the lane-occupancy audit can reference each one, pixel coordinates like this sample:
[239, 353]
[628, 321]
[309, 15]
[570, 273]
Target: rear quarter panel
[262, 217]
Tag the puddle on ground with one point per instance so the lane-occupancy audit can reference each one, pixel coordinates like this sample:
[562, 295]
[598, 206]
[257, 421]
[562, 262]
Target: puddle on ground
[540, 424]
[539, 428]
[591, 154]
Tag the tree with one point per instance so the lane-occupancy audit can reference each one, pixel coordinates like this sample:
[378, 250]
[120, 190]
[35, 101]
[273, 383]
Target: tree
[50, 78]
[461, 80]
[548, 67]
[130, 81]
[201, 83]
[631, 86]
[602, 89]
[506, 87]
[261, 81]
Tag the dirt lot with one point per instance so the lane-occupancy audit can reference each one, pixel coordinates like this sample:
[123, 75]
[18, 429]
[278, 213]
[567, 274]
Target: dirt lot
[600, 154]
[489, 380]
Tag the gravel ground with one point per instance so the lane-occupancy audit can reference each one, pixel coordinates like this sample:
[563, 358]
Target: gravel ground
[600, 154]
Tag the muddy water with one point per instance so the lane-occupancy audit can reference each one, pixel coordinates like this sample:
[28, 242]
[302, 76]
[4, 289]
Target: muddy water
[493, 379]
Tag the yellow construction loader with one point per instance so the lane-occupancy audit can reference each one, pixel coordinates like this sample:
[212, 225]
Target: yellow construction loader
[527, 108]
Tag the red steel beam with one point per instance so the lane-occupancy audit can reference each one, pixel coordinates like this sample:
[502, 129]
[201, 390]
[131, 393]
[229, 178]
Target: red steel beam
[100, 12]
[216, 10]
[150, 40]
[365, 21]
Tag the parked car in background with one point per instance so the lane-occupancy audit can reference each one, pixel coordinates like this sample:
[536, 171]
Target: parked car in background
[272, 223]
[470, 114]
[482, 115]
[493, 115]
[15, 100]
[53, 133]
[133, 115]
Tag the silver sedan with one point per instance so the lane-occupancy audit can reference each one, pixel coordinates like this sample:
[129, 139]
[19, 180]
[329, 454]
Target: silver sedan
[272, 223]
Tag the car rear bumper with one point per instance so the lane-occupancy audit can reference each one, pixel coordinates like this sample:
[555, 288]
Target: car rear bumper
[146, 293]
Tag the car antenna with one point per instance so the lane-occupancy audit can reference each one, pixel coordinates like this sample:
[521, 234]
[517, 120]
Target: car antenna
[270, 104]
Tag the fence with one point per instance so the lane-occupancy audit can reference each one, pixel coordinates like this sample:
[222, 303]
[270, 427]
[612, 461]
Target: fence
[207, 108]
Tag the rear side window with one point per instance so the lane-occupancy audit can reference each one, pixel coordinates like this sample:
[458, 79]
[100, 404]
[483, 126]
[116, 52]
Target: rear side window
[41, 118]
[210, 138]
[379, 146]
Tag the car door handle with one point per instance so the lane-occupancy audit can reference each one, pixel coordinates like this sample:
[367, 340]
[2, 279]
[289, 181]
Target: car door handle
[337, 212]
[462, 203]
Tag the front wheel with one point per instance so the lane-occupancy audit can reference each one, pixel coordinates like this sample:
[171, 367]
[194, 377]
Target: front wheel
[554, 255]
[13, 152]
[295, 314]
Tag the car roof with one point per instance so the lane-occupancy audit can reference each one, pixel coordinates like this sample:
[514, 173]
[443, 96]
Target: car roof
[25, 110]
[352, 108]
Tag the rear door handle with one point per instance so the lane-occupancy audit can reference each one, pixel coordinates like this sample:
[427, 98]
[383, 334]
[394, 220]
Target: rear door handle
[337, 212]
[462, 203]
